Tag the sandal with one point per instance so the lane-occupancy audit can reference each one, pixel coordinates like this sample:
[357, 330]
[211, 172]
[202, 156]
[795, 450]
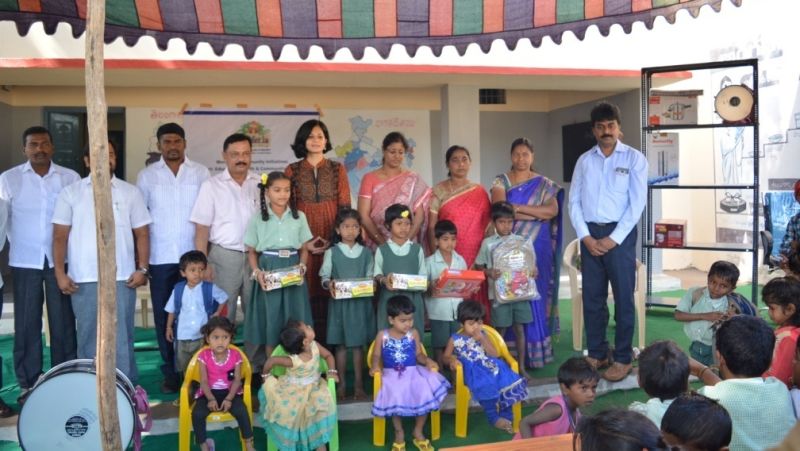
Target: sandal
[398, 446]
[423, 445]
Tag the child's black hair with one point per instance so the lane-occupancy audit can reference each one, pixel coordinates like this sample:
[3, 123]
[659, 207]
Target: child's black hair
[273, 177]
[341, 215]
[395, 211]
[502, 209]
[399, 305]
[444, 226]
[783, 292]
[576, 370]
[699, 422]
[725, 270]
[217, 322]
[470, 311]
[746, 344]
[292, 337]
[663, 370]
[192, 257]
[619, 430]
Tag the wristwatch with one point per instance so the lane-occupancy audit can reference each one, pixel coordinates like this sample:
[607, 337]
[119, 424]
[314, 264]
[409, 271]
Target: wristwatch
[144, 270]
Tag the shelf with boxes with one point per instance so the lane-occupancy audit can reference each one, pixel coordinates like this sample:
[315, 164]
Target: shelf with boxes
[666, 116]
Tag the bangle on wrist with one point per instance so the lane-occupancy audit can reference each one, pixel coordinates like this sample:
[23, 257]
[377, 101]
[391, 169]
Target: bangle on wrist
[333, 371]
[254, 274]
[700, 374]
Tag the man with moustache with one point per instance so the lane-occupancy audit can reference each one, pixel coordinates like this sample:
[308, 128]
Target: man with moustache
[606, 200]
[170, 188]
[221, 213]
[30, 192]
[74, 236]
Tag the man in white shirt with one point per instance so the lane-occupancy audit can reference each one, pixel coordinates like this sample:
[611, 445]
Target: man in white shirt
[170, 188]
[74, 236]
[30, 192]
[606, 199]
[221, 213]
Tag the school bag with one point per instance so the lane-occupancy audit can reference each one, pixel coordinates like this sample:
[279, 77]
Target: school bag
[737, 304]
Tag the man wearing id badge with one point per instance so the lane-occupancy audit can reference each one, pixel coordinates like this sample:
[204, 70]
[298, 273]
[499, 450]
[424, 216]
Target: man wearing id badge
[606, 200]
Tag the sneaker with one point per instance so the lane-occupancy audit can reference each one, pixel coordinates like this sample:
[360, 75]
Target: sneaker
[617, 372]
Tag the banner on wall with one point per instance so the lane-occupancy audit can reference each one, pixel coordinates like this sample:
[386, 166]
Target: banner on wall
[272, 132]
[357, 136]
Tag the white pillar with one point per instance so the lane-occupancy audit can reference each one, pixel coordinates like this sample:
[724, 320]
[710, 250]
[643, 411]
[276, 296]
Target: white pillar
[461, 125]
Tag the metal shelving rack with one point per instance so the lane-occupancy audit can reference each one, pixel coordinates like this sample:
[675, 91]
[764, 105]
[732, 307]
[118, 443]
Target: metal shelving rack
[647, 220]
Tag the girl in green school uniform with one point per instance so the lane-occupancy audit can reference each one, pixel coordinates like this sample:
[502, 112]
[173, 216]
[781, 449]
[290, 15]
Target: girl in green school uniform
[278, 238]
[350, 321]
[399, 256]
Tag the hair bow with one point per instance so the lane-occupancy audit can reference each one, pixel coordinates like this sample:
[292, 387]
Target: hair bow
[264, 178]
[404, 214]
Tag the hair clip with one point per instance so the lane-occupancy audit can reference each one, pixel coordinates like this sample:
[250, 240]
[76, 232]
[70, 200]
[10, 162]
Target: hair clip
[264, 178]
[404, 214]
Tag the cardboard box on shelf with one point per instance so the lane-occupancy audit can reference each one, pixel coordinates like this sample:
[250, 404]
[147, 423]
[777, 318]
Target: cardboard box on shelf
[673, 107]
[670, 233]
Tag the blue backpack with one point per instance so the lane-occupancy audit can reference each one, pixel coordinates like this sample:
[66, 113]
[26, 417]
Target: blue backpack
[209, 303]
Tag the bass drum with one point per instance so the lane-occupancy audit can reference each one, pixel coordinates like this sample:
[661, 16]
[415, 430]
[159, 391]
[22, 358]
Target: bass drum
[61, 410]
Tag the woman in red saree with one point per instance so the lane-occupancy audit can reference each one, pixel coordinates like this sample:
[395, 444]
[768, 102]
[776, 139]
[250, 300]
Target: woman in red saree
[319, 188]
[467, 205]
[392, 184]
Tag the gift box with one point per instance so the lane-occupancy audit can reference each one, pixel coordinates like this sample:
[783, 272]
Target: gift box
[353, 288]
[455, 283]
[513, 257]
[409, 282]
[282, 278]
[670, 233]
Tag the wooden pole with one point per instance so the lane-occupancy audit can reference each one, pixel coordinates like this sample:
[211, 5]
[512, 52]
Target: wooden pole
[104, 221]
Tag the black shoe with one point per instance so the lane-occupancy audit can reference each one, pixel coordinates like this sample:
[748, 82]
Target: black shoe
[6, 410]
[169, 387]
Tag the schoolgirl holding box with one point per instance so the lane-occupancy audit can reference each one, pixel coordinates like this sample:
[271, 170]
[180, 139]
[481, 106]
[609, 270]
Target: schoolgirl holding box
[276, 239]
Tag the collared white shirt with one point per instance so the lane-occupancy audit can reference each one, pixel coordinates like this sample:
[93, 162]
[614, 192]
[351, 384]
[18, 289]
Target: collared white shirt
[170, 199]
[442, 309]
[193, 314]
[226, 207]
[31, 200]
[75, 208]
[608, 189]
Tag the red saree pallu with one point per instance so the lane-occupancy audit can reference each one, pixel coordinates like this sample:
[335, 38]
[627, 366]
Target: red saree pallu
[408, 189]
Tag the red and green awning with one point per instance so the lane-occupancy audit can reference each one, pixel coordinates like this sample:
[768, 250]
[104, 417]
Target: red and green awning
[352, 24]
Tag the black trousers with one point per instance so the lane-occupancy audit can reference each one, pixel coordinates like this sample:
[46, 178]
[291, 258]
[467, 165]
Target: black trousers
[200, 412]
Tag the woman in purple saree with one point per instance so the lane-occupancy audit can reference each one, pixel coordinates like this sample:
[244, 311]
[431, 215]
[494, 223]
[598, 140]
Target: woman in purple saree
[537, 203]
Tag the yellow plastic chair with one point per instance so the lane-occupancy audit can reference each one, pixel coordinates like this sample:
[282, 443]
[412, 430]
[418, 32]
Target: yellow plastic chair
[463, 394]
[187, 400]
[379, 423]
[279, 371]
[571, 255]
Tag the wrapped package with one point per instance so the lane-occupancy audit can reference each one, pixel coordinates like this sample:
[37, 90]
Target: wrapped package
[409, 282]
[516, 261]
[281, 278]
[454, 283]
[353, 288]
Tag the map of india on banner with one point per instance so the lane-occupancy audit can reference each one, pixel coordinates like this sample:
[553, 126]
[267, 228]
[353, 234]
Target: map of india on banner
[272, 132]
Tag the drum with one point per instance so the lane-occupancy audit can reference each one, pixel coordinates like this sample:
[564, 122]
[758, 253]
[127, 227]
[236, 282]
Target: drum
[734, 104]
[61, 410]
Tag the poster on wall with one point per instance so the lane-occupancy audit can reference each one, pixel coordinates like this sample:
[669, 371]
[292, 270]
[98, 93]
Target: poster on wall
[272, 132]
[357, 135]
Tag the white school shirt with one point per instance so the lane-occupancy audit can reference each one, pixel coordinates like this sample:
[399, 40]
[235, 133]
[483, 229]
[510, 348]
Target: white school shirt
[442, 309]
[75, 208]
[31, 200]
[193, 316]
[170, 199]
[226, 207]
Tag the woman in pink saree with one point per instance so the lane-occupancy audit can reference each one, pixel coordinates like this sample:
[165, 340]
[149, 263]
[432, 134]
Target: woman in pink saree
[466, 204]
[538, 203]
[392, 184]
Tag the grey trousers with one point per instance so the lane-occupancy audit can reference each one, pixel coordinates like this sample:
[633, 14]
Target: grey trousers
[32, 288]
[84, 304]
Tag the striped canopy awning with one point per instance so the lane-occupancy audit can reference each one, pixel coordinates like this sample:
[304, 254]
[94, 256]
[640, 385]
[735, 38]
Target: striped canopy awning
[351, 24]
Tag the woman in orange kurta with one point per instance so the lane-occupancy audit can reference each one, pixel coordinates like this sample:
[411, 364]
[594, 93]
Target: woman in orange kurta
[319, 189]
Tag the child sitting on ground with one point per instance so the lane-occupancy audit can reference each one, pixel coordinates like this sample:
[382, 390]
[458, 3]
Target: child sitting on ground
[663, 375]
[696, 422]
[191, 304]
[760, 408]
[700, 308]
[577, 379]
[489, 378]
[782, 296]
[618, 430]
